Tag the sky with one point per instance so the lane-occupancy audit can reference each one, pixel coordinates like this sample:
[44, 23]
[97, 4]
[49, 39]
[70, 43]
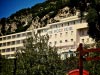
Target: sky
[8, 7]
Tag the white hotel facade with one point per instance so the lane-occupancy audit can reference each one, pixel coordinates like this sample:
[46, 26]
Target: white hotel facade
[66, 35]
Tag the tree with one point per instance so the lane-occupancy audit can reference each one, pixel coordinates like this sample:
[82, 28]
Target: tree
[93, 24]
[72, 63]
[3, 23]
[92, 66]
[38, 58]
[6, 66]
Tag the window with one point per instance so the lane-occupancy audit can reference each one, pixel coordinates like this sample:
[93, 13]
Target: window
[8, 50]
[3, 55]
[55, 31]
[66, 41]
[66, 33]
[83, 21]
[50, 36]
[12, 49]
[87, 39]
[55, 42]
[18, 35]
[17, 48]
[71, 22]
[77, 21]
[18, 41]
[7, 56]
[55, 35]
[0, 39]
[13, 42]
[3, 50]
[51, 27]
[72, 47]
[58, 26]
[60, 34]
[8, 43]
[24, 34]
[45, 30]
[60, 41]
[82, 32]
[23, 41]
[54, 26]
[71, 40]
[50, 43]
[66, 29]
[4, 44]
[0, 44]
[50, 32]
[4, 38]
[12, 55]
[14, 36]
[62, 25]
[66, 24]
[82, 40]
[29, 33]
[71, 32]
[70, 28]
[0, 51]
[71, 55]
[9, 37]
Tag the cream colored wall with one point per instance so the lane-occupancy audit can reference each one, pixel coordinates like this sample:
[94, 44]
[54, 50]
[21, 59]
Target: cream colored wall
[15, 46]
[73, 32]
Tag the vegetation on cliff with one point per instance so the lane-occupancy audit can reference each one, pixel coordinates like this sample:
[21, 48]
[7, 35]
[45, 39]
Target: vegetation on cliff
[44, 11]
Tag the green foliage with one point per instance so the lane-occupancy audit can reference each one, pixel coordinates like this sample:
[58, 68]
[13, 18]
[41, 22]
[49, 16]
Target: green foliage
[72, 63]
[92, 19]
[40, 10]
[22, 28]
[37, 58]
[3, 23]
[92, 16]
[73, 3]
[44, 8]
[6, 66]
[92, 66]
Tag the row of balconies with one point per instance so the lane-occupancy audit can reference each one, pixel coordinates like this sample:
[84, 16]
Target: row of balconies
[61, 44]
[9, 51]
[60, 25]
[15, 36]
[10, 43]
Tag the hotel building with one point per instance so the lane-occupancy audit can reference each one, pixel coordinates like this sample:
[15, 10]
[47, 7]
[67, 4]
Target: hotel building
[65, 34]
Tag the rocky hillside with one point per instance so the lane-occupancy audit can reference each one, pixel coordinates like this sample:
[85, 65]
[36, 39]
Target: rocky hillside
[39, 16]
